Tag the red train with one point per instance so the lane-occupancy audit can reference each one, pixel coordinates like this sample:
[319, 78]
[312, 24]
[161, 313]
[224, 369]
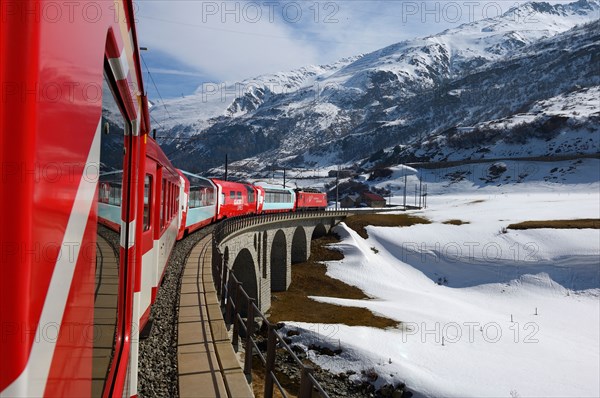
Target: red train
[76, 152]
[210, 200]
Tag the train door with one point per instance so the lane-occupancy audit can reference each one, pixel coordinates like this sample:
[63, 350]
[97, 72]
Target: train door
[109, 259]
[161, 225]
[148, 264]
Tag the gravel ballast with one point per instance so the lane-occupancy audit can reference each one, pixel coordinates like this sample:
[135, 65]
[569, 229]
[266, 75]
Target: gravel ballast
[158, 353]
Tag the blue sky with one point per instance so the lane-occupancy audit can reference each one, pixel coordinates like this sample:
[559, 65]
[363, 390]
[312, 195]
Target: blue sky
[192, 42]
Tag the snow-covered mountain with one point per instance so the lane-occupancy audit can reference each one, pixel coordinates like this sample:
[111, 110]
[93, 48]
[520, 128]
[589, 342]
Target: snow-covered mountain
[414, 92]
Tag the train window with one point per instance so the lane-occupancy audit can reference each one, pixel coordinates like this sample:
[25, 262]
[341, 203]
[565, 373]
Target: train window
[193, 199]
[170, 200]
[231, 196]
[239, 195]
[250, 195]
[147, 202]
[173, 200]
[174, 203]
[163, 190]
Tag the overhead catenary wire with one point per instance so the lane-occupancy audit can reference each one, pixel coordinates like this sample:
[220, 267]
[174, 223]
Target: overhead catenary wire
[156, 121]
[155, 86]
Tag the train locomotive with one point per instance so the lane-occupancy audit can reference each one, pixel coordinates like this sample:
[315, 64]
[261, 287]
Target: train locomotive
[76, 154]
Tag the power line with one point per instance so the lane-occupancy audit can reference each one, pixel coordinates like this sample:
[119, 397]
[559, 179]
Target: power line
[154, 83]
[156, 121]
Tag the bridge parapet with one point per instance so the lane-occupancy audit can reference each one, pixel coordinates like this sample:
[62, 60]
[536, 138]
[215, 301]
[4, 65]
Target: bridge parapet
[260, 250]
[239, 224]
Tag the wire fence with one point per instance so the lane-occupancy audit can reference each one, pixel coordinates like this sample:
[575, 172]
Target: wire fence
[241, 313]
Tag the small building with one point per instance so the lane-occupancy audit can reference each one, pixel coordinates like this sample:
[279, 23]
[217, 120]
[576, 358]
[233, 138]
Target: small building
[372, 199]
[350, 201]
[345, 173]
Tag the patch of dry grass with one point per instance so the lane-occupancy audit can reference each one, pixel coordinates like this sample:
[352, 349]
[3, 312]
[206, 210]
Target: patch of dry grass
[592, 223]
[309, 279]
[476, 201]
[258, 381]
[455, 222]
[360, 221]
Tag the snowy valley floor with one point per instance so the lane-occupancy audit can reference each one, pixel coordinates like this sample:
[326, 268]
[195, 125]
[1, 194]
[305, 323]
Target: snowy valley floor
[485, 311]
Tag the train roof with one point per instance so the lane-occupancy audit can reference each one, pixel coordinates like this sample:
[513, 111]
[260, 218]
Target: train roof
[273, 187]
[308, 190]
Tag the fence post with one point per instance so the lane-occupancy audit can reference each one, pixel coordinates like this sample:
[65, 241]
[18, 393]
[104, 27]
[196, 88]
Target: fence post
[216, 272]
[224, 283]
[249, 345]
[236, 311]
[305, 383]
[270, 366]
[229, 308]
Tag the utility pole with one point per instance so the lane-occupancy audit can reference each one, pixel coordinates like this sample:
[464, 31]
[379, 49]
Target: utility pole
[337, 192]
[416, 187]
[420, 191]
[226, 161]
[405, 177]
[284, 177]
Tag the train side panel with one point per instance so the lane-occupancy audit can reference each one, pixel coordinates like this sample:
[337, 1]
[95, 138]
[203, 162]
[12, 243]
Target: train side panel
[278, 200]
[234, 199]
[201, 203]
[160, 223]
[306, 200]
[53, 75]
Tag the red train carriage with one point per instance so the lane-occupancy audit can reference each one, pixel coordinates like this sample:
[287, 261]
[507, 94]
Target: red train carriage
[73, 108]
[234, 199]
[310, 199]
[160, 222]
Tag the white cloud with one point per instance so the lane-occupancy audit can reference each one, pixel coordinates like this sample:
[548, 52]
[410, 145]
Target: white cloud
[216, 43]
[233, 40]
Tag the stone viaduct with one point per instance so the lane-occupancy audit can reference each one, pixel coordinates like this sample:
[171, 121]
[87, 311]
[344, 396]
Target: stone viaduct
[259, 251]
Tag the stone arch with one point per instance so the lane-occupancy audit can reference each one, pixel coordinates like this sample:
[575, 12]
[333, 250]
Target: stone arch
[299, 246]
[319, 231]
[279, 262]
[244, 271]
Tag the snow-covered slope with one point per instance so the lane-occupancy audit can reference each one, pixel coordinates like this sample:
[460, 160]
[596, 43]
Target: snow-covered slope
[192, 114]
[567, 124]
[485, 311]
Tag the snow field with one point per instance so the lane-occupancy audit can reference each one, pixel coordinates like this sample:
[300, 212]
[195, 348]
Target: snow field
[476, 332]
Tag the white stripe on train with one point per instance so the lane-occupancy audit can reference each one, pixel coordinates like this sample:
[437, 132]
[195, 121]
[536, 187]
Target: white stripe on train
[32, 381]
